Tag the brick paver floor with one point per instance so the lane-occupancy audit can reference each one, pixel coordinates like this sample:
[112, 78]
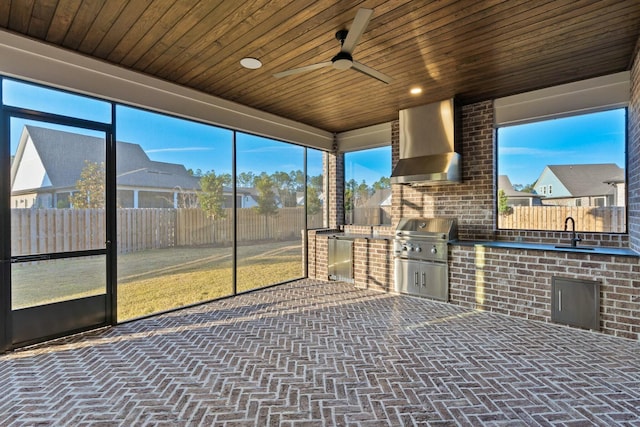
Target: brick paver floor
[314, 353]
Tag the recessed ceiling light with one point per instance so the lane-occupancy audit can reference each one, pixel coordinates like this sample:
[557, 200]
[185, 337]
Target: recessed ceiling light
[415, 91]
[251, 63]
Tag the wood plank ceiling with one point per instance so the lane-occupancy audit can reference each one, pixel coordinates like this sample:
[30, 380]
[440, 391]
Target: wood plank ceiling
[475, 50]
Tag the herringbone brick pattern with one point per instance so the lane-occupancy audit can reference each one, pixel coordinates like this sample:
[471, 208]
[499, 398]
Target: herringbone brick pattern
[314, 353]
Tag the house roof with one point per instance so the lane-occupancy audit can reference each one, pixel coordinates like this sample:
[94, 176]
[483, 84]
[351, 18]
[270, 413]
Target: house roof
[504, 183]
[475, 50]
[63, 155]
[587, 179]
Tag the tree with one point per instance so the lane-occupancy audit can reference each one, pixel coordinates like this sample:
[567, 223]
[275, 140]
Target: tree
[363, 192]
[529, 188]
[383, 182]
[297, 179]
[211, 196]
[316, 182]
[285, 187]
[90, 189]
[314, 204]
[314, 190]
[503, 207]
[350, 188]
[246, 179]
[267, 204]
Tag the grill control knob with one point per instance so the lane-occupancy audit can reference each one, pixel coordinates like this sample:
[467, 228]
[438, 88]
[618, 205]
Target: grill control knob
[434, 250]
[418, 249]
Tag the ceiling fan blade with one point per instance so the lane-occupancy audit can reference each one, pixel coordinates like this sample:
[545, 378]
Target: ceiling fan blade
[371, 72]
[302, 69]
[358, 26]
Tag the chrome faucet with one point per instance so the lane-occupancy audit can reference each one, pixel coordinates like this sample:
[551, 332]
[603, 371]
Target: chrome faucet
[574, 237]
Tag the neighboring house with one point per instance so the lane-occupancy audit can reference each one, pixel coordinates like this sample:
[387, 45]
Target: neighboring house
[582, 185]
[247, 197]
[618, 182]
[517, 198]
[48, 164]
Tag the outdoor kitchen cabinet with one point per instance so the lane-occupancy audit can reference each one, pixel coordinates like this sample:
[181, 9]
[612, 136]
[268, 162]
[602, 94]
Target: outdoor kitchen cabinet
[422, 278]
[340, 259]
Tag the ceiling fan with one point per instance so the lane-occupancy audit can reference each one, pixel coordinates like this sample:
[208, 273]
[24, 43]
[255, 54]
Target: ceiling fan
[343, 60]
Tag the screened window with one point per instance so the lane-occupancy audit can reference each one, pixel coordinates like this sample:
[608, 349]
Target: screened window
[367, 188]
[565, 167]
[175, 232]
[271, 220]
[191, 225]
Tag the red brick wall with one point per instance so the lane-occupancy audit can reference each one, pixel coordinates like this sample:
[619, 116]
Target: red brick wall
[633, 155]
[318, 256]
[336, 189]
[470, 202]
[373, 263]
[509, 281]
[518, 283]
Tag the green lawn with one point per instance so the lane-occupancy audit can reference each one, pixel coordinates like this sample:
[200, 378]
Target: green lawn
[160, 279]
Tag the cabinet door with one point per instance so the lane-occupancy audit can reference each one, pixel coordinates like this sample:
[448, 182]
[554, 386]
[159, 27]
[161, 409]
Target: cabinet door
[434, 281]
[341, 260]
[407, 276]
[422, 278]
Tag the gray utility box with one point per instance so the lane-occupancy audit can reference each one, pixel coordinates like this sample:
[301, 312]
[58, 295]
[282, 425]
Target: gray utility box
[341, 260]
[575, 302]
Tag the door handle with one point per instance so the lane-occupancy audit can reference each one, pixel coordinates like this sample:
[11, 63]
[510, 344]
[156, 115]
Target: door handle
[559, 299]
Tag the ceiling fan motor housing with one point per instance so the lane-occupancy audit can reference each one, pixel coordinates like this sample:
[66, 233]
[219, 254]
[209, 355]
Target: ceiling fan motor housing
[342, 61]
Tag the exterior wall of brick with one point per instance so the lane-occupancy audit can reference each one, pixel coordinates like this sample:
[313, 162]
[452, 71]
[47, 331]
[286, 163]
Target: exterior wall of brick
[633, 155]
[336, 190]
[471, 202]
[319, 252]
[517, 282]
[372, 260]
[373, 264]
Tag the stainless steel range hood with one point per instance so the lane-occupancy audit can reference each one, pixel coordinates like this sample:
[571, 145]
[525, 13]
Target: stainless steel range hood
[428, 154]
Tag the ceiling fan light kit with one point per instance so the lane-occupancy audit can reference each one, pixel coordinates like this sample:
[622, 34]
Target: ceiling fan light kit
[344, 59]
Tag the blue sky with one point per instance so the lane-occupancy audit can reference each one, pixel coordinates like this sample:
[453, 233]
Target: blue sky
[166, 139]
[368, 165]
[524, 150]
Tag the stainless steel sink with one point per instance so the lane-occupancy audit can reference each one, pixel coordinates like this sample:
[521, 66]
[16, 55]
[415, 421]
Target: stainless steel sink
[577, 248]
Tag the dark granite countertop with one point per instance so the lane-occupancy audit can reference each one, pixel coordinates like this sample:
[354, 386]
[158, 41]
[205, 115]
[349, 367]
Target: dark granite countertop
[595, 250]
[354, 236]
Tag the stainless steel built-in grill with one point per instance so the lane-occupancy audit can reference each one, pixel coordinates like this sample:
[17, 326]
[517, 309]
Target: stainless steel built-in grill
[421, 255]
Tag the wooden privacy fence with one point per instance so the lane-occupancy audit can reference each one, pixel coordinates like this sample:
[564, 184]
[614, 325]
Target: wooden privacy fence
[194, 228]
[35, 231]
[588, 219]
[369, 216]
